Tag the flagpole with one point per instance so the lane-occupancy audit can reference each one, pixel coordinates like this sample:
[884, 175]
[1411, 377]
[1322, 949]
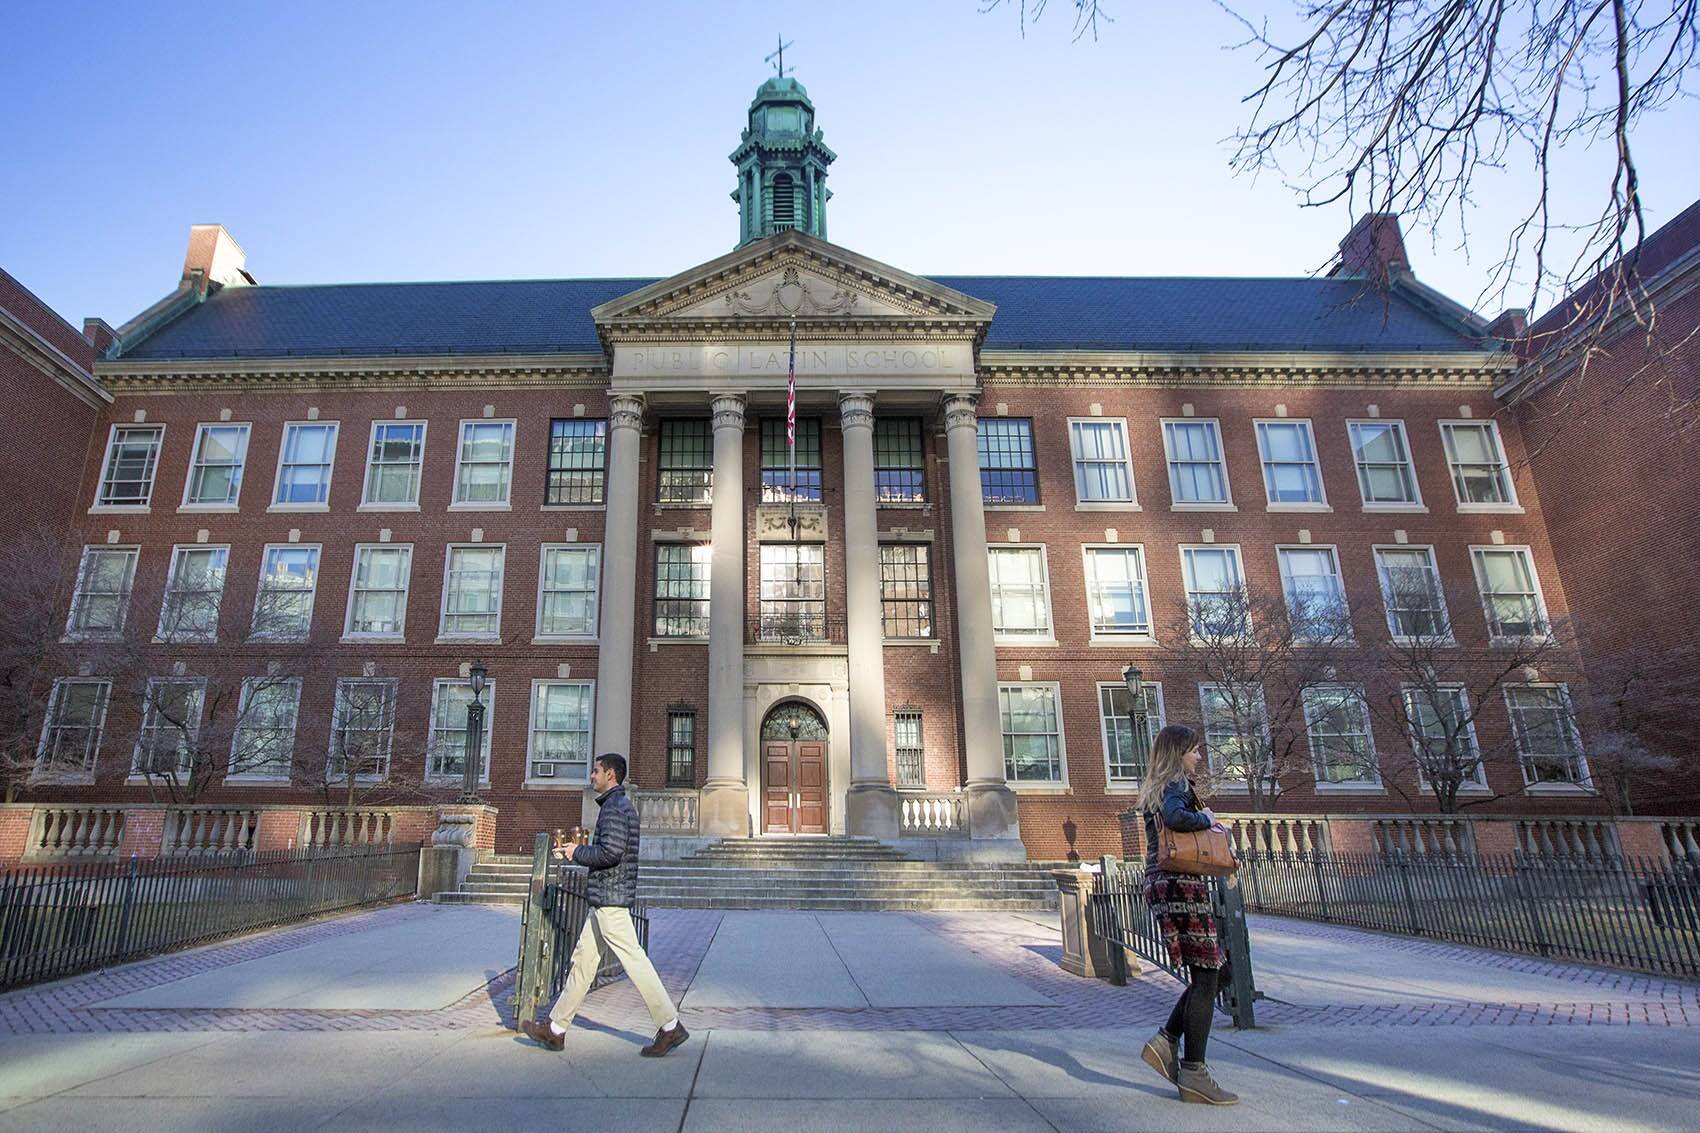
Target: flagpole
[791, 425]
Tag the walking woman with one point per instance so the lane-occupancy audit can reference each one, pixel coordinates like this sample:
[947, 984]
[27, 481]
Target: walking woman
[1181, 903]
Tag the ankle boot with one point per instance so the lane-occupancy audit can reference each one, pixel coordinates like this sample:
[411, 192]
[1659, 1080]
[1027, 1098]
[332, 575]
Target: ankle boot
[1159, 1054]
[1196, 1085]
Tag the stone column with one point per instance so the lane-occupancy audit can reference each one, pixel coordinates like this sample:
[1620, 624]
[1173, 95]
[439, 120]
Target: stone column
[616, 617]
[870, 805]
[993, 822]
[725, 809]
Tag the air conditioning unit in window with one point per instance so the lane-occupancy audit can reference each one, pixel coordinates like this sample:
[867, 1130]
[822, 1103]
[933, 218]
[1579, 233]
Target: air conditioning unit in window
[543, 770]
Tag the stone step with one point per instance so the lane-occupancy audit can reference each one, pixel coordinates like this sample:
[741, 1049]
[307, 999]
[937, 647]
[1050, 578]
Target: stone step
[856, 904]
[464, 897]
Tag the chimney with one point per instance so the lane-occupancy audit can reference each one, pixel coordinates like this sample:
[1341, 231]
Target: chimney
[214, 259]
[99, 335]
[1374, 248]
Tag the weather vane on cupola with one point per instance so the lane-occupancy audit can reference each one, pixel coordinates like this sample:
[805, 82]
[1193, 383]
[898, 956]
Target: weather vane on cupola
[779, 55]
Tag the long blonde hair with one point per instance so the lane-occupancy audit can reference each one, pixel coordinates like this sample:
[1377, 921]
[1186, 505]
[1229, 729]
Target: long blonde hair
[1168, 763]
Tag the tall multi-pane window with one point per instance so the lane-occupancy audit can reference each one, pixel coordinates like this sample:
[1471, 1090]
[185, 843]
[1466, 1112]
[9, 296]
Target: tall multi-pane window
[1021, 604]
[445, 745]
[70, 735]
[1480, 475]
[1410, 586]
[132, 458]
[681, 746]
[215, 468]
[169, 737]
[362, 729]
[899, 461]
[906, 732]
[1116, 592]
[1316, 598]
[1385, 474]
[578, 455]
[681, 589]
[193, 592]
[472, 592]
[1102, 473]
[1337, 723]
[394, 464]
[304, 464]
[1543, 726]
[1009, 472]
[906, 589]
[1290, 472]
[101, 602]
[1215, 590]
[1236, 731]
[264, 744]
[793, 592]
[1031, 722]
[289, 578]
[1197, 473]
[560, 730]
[1443, 733]
[377, 598]
[1115, 713]
[686, 469]
[566, 600]
[484, 466]
[1511, 597]
[779, 484]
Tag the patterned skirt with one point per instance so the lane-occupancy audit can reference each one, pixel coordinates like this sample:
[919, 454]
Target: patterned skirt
[1181, 903]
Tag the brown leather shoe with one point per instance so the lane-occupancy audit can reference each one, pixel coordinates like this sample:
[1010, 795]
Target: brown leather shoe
[543, 1034]
[665, 1041]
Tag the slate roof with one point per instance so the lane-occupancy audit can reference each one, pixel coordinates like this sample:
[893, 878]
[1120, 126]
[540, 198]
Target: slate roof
[1034, 313]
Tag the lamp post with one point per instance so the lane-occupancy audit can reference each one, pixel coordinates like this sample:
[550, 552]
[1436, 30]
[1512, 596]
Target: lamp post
[474, 736]
[1139, 741]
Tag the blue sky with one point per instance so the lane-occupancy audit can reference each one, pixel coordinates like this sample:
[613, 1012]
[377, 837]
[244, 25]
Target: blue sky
[363, 141]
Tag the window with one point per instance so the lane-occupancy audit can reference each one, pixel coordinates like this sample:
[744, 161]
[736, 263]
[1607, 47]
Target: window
[1511, 597]
[377, 599]
[1032, 733]
[906, 731]
[1236, 731]
[578, 453]
[686, 473]
[283, 605]
[560, 730]
[304, 465]
[101, 601]
[193, 592]
[1443, 734]
[1337, 721]
[1385, 475]
[70, 737]
[1021, 604]
[484, 470]
[1290, 472]
[906, 589]
[681, 589]
[1102, 473]
[1115, 592]
[1544, 728]
[899, 461]
[1410, 586]
[1009, 473]
[776, 481]
[264, 744]
[472, 592]
[1115, 712]
[171, 726]
[1215, 590]
[362, 730]
[1480, 476]
[394, 464]
[132, 458]
[1316, 599]
[215, 469]
[681, 746]
[793, 592]
[445, 747]
[566, 596]
[1197, 474]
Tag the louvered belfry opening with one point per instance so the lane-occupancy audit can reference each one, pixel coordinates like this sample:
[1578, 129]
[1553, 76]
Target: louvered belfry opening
[784, 202]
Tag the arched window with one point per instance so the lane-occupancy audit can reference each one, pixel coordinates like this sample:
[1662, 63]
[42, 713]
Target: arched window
[784, 202]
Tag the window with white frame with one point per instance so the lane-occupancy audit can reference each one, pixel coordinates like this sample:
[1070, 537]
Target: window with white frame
[70, 734]
[101, 601]
[362, 729]
[472, 591]
[304, 465]
[1116, 592]
[1021, 604]
[394, 464]
[1031, 720]
[1316, 598]
[906, 737]
[283, 604]
[1102, 471]
[1215, 590]
[264, 744]
[566, 597]
[445, 746]
[1410, 587]
[193, 591]
[1341, 750]
[1383, 457]
[1126, 767]
[681, 589]
[484, 466]
[1511, 597]
[1197, 473]
[127, 472]
[1480, 475]
[171, 727]
[1443, 734]
[377, 597]
[1236, 731]
[215, 467]
[1290, 472]
[1543, 726]
[560, 730]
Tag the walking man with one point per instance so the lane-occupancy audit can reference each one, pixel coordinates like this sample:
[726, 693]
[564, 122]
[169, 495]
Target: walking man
[612, 858]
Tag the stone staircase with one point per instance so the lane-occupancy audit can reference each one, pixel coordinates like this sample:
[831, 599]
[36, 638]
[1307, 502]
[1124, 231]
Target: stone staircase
[499, 880]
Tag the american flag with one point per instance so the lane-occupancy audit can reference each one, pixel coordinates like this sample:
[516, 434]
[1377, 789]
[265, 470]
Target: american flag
[791, 393]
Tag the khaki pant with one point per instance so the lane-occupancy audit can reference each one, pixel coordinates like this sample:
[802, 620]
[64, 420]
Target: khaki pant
[611, 928]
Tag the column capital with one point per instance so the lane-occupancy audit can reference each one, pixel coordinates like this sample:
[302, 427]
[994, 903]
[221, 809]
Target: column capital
[727, 410]
[855, 410]
[625, 411]
[961, 410]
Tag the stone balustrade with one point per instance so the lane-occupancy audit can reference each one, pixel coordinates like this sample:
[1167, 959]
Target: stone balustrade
[196, 830]
[1568, 839]
[922, 814]
[666, 810]
[1424, 837]
[1681, 837]
[78, 833]
[332, 829]
[1278, 833]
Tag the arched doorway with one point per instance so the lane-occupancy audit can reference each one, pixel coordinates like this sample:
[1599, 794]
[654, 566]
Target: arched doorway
[793, 770]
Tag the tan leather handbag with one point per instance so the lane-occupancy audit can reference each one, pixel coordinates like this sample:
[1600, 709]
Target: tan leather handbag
[1207, 853]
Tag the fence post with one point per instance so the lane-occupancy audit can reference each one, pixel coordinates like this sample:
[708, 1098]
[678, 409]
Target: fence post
[1321, 883]
[1241, 990]
[124, 910]
[1412, 917]
[530, 980]
[1533, 907]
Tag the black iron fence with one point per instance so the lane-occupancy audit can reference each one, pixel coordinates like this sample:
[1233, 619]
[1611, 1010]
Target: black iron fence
[1638, 914]
[556, 908]
[59, 919]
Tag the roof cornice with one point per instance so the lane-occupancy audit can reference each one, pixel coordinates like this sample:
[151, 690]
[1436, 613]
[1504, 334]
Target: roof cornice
[1312, 368]
[24, 341]
[469, 371]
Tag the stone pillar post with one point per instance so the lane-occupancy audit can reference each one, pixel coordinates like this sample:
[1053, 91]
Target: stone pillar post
[870, 805]
[993, 821]
[616, 617]
[725, 809]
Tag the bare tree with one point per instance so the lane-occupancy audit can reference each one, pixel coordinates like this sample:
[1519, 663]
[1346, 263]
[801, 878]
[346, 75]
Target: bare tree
[1639, 704]
[363, 740]
[1087, 14]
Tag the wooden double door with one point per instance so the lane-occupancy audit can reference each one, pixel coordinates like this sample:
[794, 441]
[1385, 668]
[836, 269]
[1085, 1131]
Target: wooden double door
[794, 772]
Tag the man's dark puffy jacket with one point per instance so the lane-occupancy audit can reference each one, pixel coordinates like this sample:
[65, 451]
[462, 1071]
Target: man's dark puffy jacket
[612, 856]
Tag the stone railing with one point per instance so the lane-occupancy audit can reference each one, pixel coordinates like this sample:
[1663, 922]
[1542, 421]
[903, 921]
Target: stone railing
[1681, 837]
[1423, 837]
[74, 832]
[209, 830]
[1568, 839]
[1278, 833]
[666, 810]
[330, 829]
[922, 814]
